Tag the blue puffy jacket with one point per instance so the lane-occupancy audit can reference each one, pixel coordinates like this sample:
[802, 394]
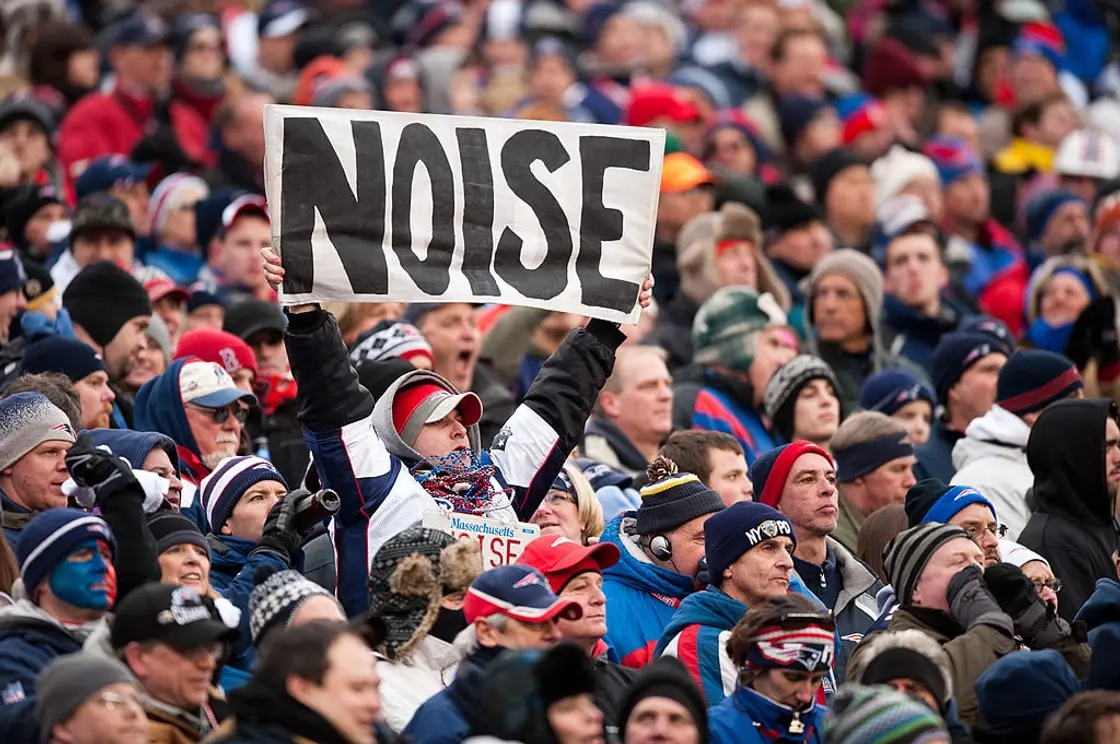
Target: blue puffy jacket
[747, 717]
[29, 640]
[641, 597]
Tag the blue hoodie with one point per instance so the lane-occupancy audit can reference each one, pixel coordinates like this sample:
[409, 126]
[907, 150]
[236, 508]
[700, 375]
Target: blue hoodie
[749, 718]
[702, 618]
[135, 446]
[641, 600]
[1101, 613]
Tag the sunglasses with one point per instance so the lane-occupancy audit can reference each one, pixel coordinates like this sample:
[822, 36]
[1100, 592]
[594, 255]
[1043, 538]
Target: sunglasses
[221, 415]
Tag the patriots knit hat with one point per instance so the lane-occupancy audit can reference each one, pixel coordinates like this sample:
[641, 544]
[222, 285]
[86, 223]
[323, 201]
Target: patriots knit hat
[738, 528]
[1033, 379]
[390, 338]
[727, 324]
[879, 714]
[991, 327]
[891, 389]
[68, 681]
[1019, 691]
[408, 578]
[672, 498]
[12, 274]
[828, 166]
[1042, 207]
[785, 385]
[771, 470]
[953, 158]
[26, 421]
[930, 500]
[276, 599]
[52, 535]
[860, 269]
[796, 113]
[1042, 39]
[954, 354]
[172, 528]
[907, 554]
[102, 298]
[67, 356]
[224, 487]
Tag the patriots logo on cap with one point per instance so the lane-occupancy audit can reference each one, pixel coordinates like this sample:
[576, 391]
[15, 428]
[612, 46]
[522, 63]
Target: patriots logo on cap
[13, 694]
[966, 492]
[980, 351]
[63, 427]
[560, 541]
[529, 579]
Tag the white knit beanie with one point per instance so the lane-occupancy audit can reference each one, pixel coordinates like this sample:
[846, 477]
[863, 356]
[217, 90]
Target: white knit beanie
[898, 169]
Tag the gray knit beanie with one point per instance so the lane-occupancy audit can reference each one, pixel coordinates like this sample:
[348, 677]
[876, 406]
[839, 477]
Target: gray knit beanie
[276, 599]
[26, 421]
[907, 554]
[158, 332]
[863, 273]
[68, 681]
[785, 384]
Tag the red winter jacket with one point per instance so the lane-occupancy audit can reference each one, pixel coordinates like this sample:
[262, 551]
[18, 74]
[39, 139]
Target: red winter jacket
[112, 123]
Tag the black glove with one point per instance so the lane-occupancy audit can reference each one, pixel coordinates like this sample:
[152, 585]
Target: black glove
[162, 146]
[280, 536]
[971, 604]
[1017, 596]
[107, 474]
[1093, 335]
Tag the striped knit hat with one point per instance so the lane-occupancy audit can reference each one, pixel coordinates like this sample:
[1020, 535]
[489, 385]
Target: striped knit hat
[50, 537]
[907, 554]
[673, 498]
[880, 715]
[785, 385]
[223, 488]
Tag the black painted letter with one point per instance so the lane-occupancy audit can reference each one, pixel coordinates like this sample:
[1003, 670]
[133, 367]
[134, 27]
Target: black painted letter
[478, 211]
[420, 145]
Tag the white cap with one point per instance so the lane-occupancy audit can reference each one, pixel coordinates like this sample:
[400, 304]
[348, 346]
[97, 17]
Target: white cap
[207, 384]
[1089, 154]
[1017, 555]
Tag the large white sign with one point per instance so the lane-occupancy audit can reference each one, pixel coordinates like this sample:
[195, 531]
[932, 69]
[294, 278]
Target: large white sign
[374, 206]
[501, 542]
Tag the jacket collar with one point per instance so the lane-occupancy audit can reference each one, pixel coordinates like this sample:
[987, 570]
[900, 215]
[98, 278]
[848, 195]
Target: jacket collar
[777, 722]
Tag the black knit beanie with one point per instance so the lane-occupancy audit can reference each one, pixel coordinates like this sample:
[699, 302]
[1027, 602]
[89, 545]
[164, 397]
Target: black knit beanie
[172, 528]
[666, 677]
[102, 298]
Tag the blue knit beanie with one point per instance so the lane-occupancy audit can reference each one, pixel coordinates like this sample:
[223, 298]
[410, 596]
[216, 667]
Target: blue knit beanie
[67, 356]
[994, 328]
[930, 500]
[1033, 379]
[891, 389]
[223, 488]
[1020, 690]
[51, 536]
[954, 354]
[1042, 207]
[738, 528]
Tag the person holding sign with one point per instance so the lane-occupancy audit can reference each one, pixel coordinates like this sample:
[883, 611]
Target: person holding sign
[418, 448]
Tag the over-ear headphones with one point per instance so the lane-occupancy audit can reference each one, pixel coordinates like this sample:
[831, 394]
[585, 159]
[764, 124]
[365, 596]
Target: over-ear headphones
[660, 548]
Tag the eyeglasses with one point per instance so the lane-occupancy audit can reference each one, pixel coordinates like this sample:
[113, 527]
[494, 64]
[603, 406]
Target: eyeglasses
[221, 415]
[1054, 584]
[975, 531]
[555, 498]
[113, 700]
[199, 654]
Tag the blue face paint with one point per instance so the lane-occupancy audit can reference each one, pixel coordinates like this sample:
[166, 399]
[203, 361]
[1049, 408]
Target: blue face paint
[74, 581]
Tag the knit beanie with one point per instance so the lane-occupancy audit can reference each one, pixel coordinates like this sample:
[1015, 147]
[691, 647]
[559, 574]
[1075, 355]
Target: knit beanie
[68, 681]
[12, 274]
[157, 331]
[796, 113]
[954, 354]
[26, 421]
[785, 211]
[860, 269]
[1033, 379]
[390, 338]
[1019, 691]
[891, 389]
[879, 714]
[224, 487]
[828, 166]
[903, 662]
[52, 535]
[738, 528]
[67, 356]
[785, 384]
[771, 470]
[666, 677]
[1042, 207]
[672, 498]
[991, 327]
[165, 197]
[908, 552]
[728, 323]
[276, 599]
[930, 500]
[172, 528]
[102, 298]
[952, 158]
[1018, 555]
[897, 169]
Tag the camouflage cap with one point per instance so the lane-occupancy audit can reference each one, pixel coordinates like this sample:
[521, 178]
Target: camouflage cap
[725, 327]
[101, 211]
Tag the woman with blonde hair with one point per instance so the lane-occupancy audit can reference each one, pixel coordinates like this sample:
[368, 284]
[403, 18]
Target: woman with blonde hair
[570, 508]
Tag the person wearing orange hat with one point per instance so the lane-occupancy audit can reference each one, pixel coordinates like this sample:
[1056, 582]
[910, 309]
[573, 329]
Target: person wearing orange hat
[686, 191]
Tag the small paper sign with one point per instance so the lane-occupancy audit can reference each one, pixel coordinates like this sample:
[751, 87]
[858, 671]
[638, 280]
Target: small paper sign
[501, 542]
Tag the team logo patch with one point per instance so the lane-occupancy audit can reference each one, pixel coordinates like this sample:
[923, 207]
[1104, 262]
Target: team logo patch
[528, 580]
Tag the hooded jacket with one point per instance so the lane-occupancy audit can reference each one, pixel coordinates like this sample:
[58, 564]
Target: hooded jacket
[29, 639]
[641, 596]
[1101, 615]
[747, 717]
[913, 335]
[992, 458]
[135, 446]
[358, 453]
[1072, 526]
[159, 408]
[605, 443]
[698, 633]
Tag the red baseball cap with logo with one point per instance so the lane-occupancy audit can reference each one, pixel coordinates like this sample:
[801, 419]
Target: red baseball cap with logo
[561, 559]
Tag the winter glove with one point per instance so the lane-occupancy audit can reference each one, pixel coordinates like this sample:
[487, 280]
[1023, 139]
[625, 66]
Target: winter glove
[280, 536]
[971, 604]
[1093, 336]
[1017, 597]
[99, 469]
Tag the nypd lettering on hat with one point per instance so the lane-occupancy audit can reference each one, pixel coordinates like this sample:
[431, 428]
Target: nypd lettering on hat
[768, 530]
